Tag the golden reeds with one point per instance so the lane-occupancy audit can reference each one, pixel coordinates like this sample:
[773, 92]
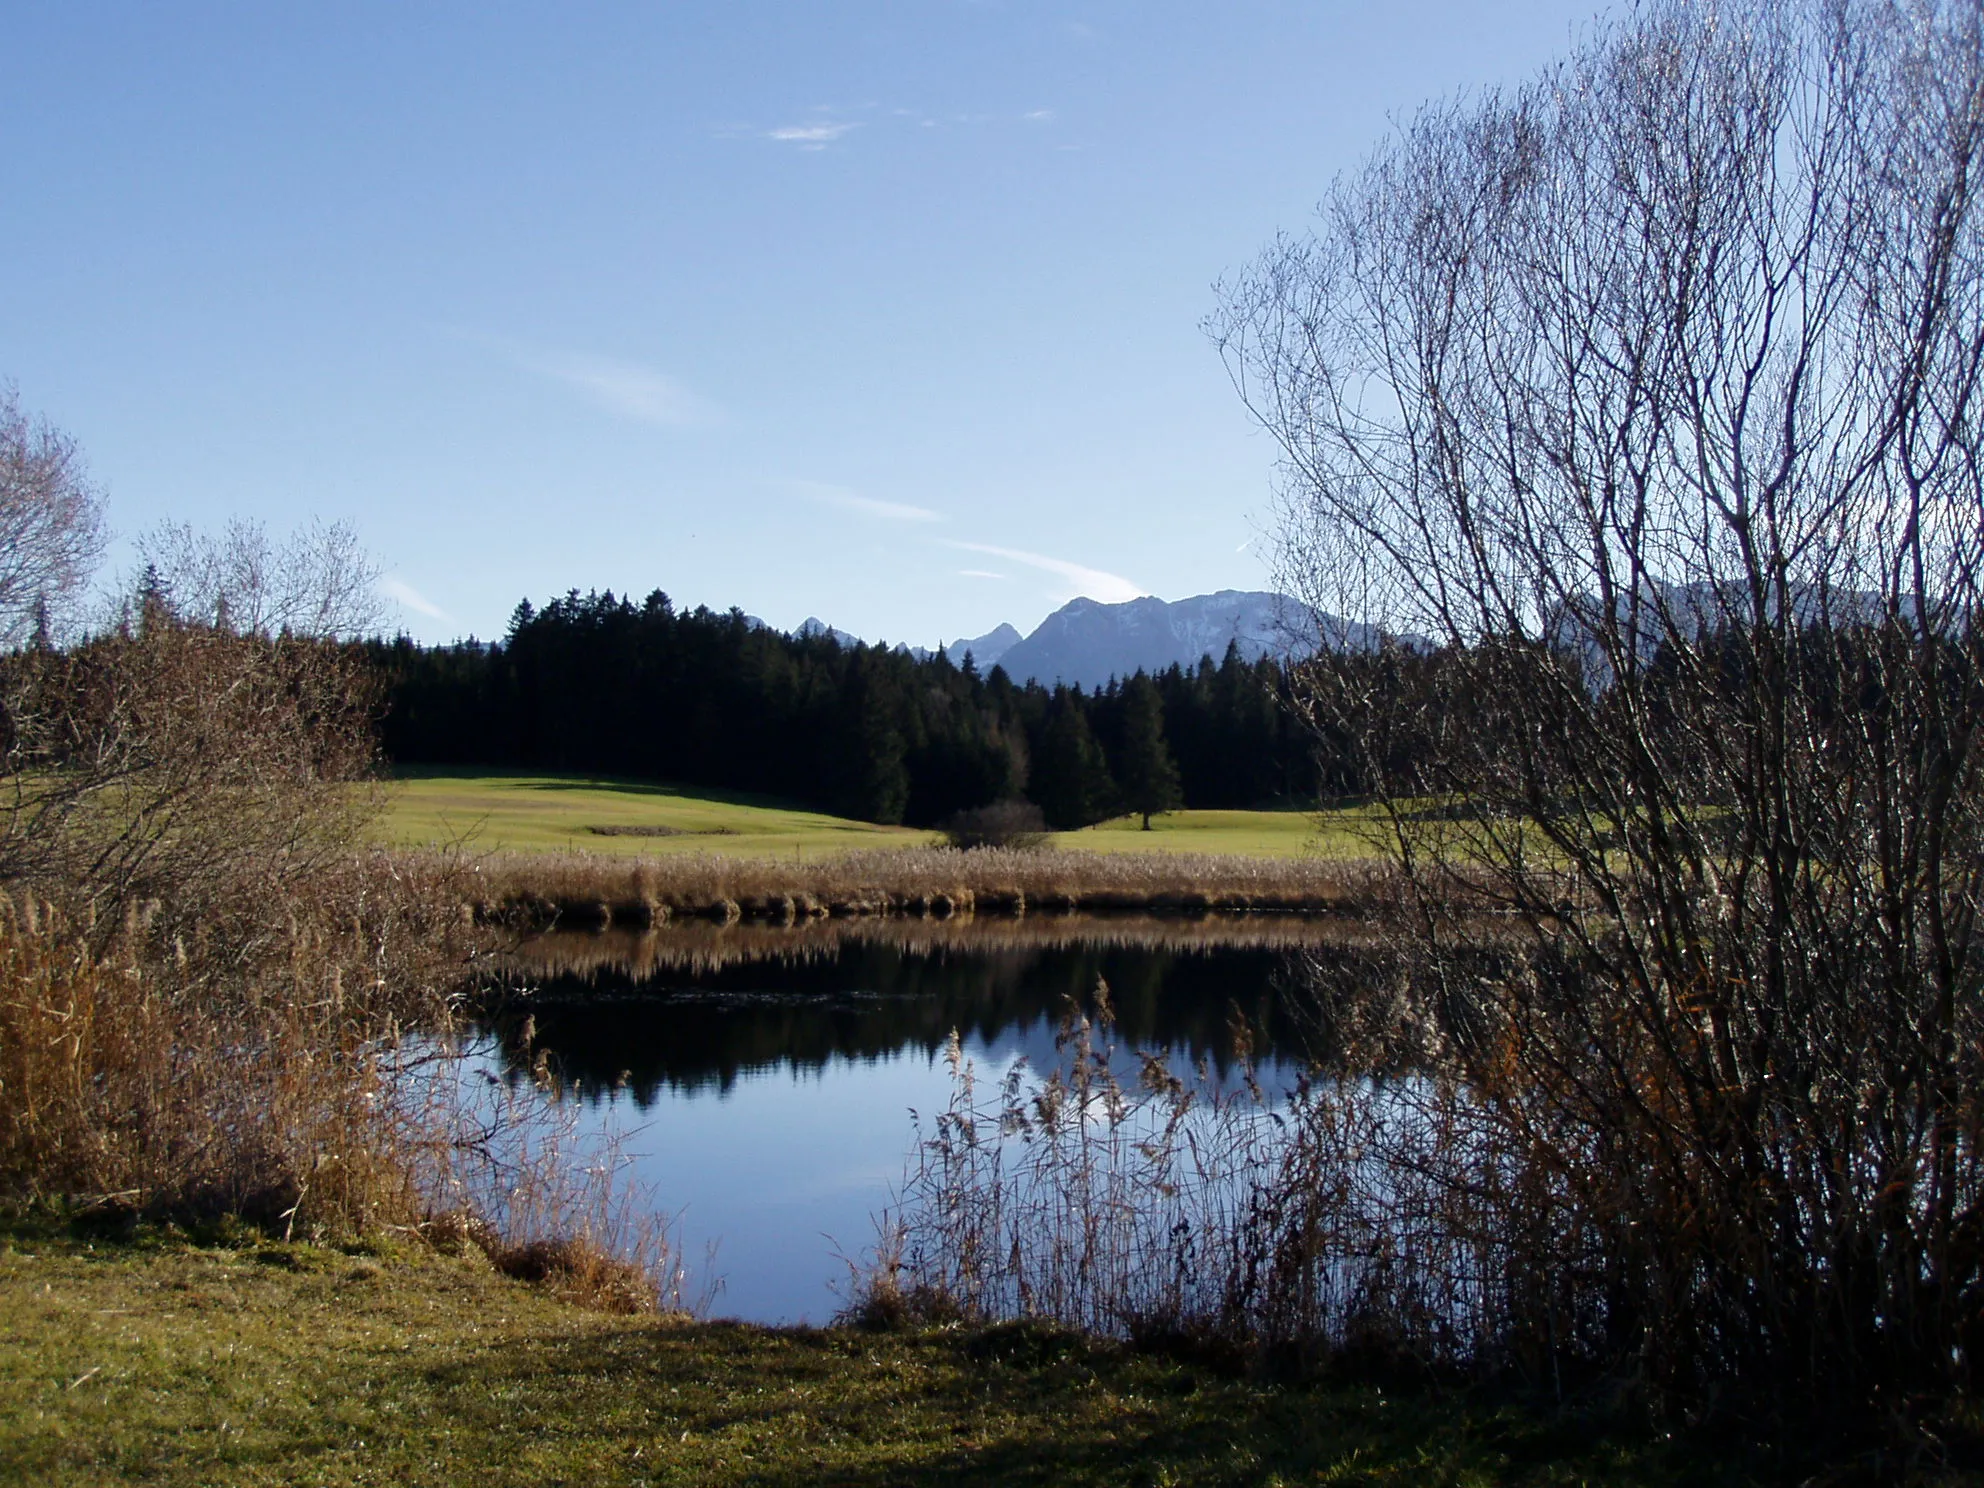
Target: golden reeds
[929, 883]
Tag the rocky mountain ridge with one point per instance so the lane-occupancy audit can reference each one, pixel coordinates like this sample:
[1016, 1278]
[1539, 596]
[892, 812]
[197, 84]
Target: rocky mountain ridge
[1086, 642]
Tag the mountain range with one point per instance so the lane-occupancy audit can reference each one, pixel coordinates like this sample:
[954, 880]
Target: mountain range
[1086, 642]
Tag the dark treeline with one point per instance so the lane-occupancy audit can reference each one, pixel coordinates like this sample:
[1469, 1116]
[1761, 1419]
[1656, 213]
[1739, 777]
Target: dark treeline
[603, 684]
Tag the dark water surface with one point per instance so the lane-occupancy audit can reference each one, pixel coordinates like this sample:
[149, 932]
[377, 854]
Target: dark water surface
[768, 1083]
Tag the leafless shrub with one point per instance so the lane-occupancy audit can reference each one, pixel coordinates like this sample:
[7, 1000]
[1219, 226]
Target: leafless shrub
[1647, 394]
[180, 766]
[1010, 824]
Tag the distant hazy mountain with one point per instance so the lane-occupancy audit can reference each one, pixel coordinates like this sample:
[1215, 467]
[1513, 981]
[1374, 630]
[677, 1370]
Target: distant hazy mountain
[1088, 643]
[986, 650]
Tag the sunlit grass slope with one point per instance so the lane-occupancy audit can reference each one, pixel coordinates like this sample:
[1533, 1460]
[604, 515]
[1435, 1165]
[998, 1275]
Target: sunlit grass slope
[172, 1364]
[560, 813]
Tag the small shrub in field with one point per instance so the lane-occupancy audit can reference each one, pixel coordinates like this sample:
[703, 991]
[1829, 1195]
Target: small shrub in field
[1015, 824]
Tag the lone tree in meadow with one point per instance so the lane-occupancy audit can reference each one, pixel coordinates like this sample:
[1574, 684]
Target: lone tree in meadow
[1649, 393]
[1146, 774]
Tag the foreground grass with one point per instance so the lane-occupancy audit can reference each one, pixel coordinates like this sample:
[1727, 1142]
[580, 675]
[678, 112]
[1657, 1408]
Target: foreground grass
[559, 813]
[167, 1363]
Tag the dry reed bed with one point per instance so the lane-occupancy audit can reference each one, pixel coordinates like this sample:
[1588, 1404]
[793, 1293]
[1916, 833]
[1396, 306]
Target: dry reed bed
[698, 946]
[578, 889]
[301, 1074]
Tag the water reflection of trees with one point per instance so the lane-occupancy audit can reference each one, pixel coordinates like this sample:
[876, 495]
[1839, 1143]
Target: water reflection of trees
[667, 1011]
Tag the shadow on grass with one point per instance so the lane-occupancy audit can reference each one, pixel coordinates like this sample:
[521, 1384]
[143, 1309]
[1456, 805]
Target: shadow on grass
[732, 1404]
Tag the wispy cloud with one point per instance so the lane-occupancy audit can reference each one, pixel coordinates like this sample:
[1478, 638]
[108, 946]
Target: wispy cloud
[627, 388]
[1095, 583]
[979, 573]
[829, 123]
[401, 592]
[811, 136]
[867, 506]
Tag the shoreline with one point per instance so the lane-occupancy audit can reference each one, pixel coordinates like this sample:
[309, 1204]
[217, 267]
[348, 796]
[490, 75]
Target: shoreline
[577, 891]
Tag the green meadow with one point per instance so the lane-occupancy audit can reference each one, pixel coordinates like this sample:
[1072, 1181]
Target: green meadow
[538, 812]
[169, 1362]
[565, 813]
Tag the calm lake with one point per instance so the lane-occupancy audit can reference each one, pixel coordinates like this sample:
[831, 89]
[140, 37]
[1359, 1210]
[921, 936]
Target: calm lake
[767, 1083]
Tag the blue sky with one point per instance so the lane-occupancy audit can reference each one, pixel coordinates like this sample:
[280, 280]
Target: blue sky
[887, 313]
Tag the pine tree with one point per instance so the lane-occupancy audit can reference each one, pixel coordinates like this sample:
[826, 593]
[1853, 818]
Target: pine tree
[154, 600]
[873, 779]
[1145, 769]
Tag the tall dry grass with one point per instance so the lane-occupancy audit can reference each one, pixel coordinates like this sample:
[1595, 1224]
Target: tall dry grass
[321, 1089]
[1303, 1227]
[213, 1005]
[206, 1075]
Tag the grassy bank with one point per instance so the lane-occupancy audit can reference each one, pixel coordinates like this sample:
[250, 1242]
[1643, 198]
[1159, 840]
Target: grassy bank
[169, 1363]
[634, 819]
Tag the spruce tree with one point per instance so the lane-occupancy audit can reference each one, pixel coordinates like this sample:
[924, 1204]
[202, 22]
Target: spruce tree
[1145, 769]
[1071, 783]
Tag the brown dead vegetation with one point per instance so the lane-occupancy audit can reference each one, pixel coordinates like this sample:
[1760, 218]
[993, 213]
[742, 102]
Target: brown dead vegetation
[215, 1007]
[579, 890]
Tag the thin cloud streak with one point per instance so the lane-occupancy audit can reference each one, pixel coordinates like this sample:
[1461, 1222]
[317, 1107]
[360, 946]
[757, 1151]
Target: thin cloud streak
[1094, 583]
[401, 592]
[627, 388]
[810, 136]
[980, 573]
[867, 506]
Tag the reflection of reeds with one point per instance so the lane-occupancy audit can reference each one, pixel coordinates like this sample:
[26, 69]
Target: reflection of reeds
[702, 946]
[932, 883]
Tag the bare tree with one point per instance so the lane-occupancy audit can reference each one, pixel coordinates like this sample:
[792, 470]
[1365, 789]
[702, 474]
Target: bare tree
[1649, 393]
[202, 757]
[319, 581]
[51, 522]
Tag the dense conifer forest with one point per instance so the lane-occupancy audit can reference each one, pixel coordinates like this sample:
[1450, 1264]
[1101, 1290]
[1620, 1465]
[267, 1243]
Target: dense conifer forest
[595, 682]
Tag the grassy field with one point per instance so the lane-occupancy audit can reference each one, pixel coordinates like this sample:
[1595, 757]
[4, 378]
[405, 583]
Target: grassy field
[167, 1363]
[540, 812]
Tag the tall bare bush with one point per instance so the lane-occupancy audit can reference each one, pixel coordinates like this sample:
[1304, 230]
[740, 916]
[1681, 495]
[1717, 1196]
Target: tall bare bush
[181, 768]
[1647, 396]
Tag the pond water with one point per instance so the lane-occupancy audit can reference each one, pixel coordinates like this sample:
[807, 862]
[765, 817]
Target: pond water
[767, 1084]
